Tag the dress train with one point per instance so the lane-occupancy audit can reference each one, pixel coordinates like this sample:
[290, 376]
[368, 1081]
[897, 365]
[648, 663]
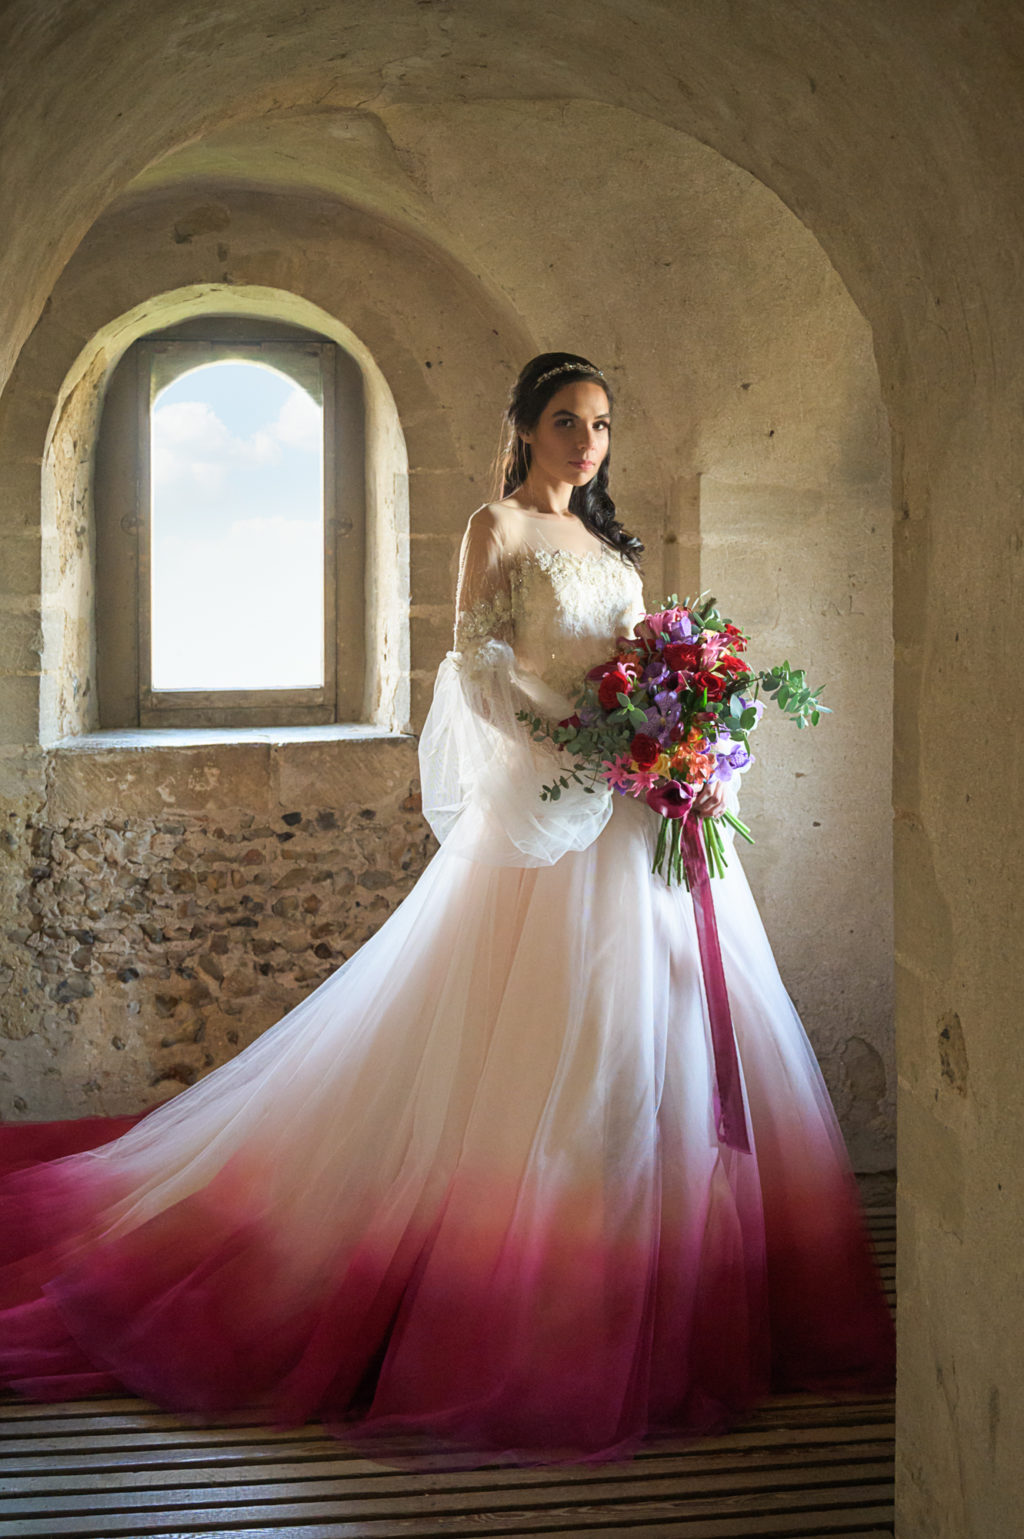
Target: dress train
[470, 1190]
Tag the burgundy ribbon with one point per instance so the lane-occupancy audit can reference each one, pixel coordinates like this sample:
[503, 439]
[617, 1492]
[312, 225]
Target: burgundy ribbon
[730, 1116]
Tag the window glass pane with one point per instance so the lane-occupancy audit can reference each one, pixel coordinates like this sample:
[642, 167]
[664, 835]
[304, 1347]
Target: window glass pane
[237, 538]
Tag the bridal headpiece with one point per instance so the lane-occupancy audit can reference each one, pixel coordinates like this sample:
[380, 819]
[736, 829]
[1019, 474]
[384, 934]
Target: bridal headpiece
[566, 368]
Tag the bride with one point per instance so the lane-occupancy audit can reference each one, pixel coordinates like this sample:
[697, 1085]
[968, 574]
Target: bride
[471, 1190]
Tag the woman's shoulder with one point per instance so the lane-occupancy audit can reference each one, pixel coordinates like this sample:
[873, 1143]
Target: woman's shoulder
[495, 522]
[498, 512]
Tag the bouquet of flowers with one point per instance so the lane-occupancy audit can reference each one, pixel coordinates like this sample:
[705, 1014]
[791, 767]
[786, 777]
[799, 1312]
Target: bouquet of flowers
[670, 712]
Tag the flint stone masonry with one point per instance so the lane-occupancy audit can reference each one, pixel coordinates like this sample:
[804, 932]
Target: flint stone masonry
[143, 946]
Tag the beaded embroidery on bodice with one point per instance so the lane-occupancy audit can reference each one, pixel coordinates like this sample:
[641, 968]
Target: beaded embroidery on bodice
[561, 612]
[570, 607]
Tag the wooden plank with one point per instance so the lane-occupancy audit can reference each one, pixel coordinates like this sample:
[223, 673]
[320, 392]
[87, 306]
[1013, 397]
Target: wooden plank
[796, 1408]
[111, 1430]
[137, 1413]
[809, 1525]
[685, 1466]
[425, 1513]
[398, 1491]
[166, 1456]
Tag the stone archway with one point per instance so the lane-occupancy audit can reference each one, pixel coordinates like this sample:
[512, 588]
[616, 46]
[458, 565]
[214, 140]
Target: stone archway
[68, 657]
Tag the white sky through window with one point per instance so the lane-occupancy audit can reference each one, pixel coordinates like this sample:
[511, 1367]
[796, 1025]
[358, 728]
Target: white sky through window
[237, 547]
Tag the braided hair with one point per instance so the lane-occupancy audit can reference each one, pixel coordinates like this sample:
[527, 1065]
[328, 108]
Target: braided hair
[539, 380]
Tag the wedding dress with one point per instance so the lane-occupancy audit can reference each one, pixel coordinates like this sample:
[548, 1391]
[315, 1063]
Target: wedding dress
[470, 1189]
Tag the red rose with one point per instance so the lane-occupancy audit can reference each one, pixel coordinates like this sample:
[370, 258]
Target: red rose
[644, 749]
[714, 686]
[733, 664]
[570, 721]
[614, 683]
[680, 656]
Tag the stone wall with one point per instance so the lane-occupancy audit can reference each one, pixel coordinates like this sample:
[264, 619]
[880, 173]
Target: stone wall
[769, 391]
[154, 927]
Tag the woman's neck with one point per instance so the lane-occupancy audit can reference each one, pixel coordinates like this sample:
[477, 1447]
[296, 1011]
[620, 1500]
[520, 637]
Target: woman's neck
[550, 499]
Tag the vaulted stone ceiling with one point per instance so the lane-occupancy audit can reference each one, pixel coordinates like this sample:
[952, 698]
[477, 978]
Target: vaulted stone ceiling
[99, 95]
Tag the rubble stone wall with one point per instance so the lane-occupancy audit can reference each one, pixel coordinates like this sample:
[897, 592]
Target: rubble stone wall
[144, 944]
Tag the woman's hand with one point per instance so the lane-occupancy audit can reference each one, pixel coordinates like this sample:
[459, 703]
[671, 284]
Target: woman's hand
[710, 800]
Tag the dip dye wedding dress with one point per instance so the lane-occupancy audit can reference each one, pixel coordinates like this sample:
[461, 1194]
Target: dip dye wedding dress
[470, 1192]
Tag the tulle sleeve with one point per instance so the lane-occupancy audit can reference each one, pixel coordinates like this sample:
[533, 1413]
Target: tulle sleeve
[481, 772]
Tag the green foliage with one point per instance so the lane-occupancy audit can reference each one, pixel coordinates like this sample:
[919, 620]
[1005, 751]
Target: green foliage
[789, 689]
[590, 747]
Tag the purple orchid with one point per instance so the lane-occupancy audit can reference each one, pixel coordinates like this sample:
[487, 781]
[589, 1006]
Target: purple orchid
[664, 716]
[738, 758]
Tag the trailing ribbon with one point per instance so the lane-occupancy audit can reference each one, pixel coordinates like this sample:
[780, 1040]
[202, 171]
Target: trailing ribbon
[730, 1117]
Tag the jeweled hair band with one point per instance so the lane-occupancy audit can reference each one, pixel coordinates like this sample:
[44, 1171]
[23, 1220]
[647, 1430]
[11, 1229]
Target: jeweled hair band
[565, 368]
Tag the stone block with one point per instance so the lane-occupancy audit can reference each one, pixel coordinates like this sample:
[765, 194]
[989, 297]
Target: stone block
[440, 503]
[430, 634]
[93, 780]
[19, 710]
[421, 693]
[433, 568]
[24, 418]
[344, 772]
[21, 642]
[20, 570]
[22, 775]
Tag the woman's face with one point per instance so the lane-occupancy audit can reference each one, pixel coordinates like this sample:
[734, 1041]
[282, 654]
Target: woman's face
[571, 438]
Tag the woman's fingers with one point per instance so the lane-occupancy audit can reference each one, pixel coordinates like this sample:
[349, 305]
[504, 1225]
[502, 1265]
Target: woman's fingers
[710, 800]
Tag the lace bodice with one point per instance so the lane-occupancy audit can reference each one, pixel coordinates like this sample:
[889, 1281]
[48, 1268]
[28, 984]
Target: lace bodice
[558, 607]
[540, 602]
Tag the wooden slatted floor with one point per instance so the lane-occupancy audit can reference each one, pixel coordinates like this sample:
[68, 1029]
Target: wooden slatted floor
[799, 1468]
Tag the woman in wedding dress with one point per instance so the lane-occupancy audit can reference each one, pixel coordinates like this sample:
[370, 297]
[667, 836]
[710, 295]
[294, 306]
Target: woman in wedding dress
[471, 1189]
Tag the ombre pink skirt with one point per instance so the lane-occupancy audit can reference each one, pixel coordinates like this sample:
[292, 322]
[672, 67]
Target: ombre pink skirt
[469, 1193]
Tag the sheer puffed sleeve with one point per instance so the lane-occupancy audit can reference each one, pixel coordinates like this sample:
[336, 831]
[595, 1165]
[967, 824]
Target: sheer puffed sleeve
[481, 772]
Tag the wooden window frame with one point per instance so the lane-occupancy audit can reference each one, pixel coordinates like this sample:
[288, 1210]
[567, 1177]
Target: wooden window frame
[123, 555]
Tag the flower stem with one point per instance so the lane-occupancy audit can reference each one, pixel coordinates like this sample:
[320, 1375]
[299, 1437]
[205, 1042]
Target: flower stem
[659, 849]
[741, 828]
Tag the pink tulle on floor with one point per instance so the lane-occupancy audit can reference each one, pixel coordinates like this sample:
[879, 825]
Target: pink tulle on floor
[469, 1192]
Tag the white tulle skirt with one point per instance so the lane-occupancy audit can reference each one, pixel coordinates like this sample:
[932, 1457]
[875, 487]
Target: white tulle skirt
[470, 1190]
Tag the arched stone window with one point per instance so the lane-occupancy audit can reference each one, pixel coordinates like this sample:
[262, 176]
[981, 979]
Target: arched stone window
[231, 530]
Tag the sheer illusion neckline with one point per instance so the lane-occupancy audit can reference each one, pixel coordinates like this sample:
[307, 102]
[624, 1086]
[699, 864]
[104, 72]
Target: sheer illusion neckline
[551, 551]
[596, 549]
[547, 548]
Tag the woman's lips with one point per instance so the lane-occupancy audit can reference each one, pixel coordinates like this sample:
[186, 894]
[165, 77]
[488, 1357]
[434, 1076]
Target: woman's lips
[582, 464]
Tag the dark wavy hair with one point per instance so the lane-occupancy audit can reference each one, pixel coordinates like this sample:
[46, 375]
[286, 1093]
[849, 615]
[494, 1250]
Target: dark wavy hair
[592, 503]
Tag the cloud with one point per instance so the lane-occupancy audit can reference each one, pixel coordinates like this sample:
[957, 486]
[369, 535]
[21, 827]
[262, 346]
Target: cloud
[239, 610]
[299, 422]
[193, 448]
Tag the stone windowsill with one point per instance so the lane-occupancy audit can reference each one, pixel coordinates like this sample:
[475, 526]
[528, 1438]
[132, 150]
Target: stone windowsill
[121, 738]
